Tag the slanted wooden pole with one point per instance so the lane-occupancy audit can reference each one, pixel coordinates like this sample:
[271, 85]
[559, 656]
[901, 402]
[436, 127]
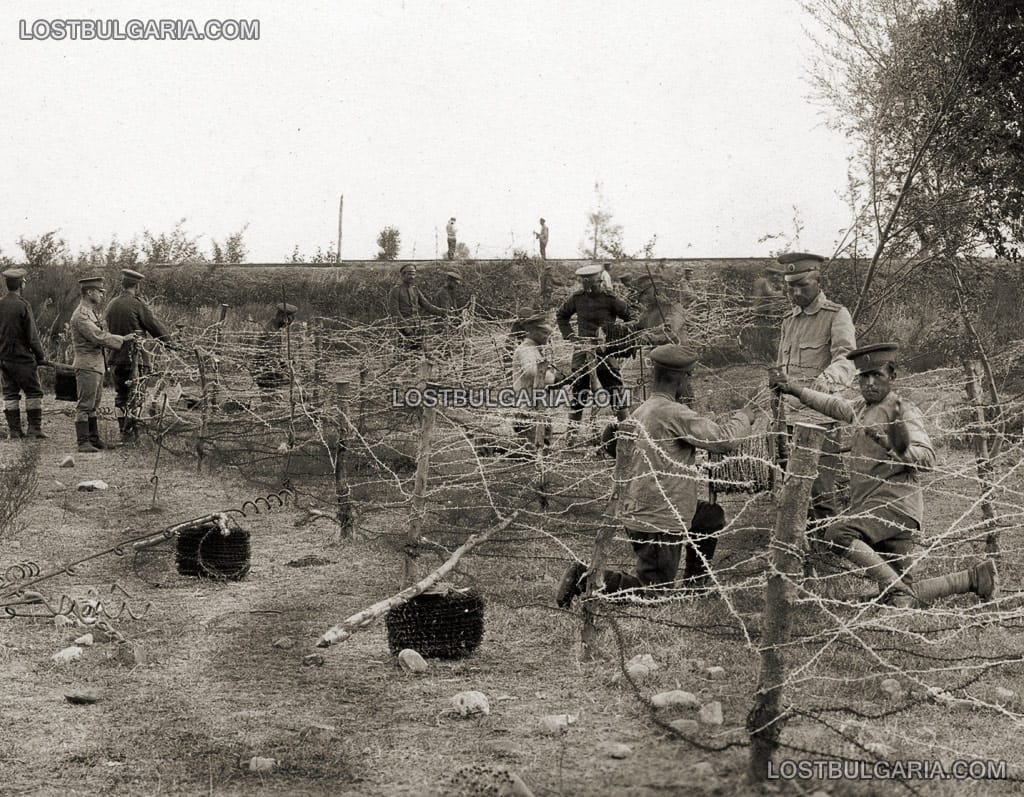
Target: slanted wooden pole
[982, 453]
[786, 551]
[419, 501]
[342, 489]
[625, 440]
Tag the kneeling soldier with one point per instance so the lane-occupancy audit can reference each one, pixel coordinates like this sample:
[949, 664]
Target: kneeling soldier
[890, 448]
[661, 494]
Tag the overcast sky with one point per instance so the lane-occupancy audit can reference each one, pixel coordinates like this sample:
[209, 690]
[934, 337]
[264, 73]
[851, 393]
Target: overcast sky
[694, 116]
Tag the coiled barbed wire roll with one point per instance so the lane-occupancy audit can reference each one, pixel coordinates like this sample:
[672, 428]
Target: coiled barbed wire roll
[747, 469]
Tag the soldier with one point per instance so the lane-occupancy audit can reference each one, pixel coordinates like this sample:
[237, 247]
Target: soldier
[405, 301]
[450, 293]
[659, 488]
[816, 337]
[890, 448]
[451, 234]
[595, 311]
[530, 356]
[769, 304]
[89, 340]
[542, 239]
[271, 370]
[128, 313]
[20, 355]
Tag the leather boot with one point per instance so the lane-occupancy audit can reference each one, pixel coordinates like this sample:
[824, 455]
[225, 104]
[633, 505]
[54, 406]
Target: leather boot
[94, 434]
[981, 579]
[570, 586]
[14, 424]
[35, 424]
[82, 433]
[878, 570]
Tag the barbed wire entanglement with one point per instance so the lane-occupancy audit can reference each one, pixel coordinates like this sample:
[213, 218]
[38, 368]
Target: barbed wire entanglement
[266, 405]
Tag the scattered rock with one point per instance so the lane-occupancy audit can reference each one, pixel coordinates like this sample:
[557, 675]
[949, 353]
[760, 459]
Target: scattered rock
[557, 724]
[892, 688]
[468, 704]
[313, 660]
[260, 764]
[1004, 695]
[711, 713]
[675, 698]
[638, 672]
[616, 750]
[67, 462]
[130, 655]
[819, 793]
[284, 643]
[715, 673]
[685, 726]
[82, 697]
[703, 770]
[68, 655]
[411, 661]
[92, 485]
[85, 641]
[645, 660]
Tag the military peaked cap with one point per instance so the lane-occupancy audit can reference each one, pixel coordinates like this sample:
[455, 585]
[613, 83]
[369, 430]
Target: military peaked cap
[91, 282]
[588, 271]
[796, 264]
[131, 276]
[15, 273]
[674, 357]
[873, 357]
[284, 307]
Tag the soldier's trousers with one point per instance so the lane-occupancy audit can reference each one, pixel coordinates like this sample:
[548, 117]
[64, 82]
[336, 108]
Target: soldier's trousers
[657, 560]
[18, 378]
[607, 376]
[90, 390]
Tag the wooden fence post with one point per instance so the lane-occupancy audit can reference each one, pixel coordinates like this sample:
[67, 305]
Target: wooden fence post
[540, 429]
[765, 721]
[342, 489]
[625, 438]
[419, 501]
[363, 373]
[318, 356]
[982, 454]
[204, 413]
[215, 388]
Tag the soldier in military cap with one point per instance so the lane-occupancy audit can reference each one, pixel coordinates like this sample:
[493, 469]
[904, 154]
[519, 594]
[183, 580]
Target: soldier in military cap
[890, 448]
[657, 447]
[816, 337]
[406, 302]
[20, 354]
[126, 314]
[450, 300]
[596, 311]
[529, 357]
[89, 339]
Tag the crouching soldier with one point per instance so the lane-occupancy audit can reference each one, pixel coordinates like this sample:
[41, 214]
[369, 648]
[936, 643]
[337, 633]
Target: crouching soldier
[659, 496]
[890, 448]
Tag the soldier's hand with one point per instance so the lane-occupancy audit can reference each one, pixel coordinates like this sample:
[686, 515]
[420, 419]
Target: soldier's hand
[748, 412]
[779, 381]
[899, 435]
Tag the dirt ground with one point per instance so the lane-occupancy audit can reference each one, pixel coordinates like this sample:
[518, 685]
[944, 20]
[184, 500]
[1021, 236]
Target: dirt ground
[200, 688]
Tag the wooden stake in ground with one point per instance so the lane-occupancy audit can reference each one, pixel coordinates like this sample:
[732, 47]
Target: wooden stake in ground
[982, 453]
[419, 501]
[625, 440]
[342, 490]
[215, 388]
[204, 413]
[765, 721]
[346, 628]
[540, 433]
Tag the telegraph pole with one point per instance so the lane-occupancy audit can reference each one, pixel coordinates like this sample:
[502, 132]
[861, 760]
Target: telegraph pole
[341, 209]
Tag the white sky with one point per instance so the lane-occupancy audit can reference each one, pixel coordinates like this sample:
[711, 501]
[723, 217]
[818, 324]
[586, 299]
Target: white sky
[693, 114]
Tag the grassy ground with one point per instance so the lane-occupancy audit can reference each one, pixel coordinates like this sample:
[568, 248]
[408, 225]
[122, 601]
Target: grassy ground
[205, 688]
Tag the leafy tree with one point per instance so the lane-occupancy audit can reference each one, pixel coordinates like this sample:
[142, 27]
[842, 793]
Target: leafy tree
[390, 242]
[176, 247]
[233, 250]
[603, 237]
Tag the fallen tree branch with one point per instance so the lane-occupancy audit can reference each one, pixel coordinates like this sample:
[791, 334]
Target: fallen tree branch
[366, 617]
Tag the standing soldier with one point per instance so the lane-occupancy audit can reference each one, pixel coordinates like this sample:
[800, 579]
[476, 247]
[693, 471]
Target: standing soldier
[816, 337]
[127, 314]
[530, 357]
[595, 311]
[542, 239]
[89, 340]
[449, 229]
[405, 301]
[659, 491]
[20, 355]
[890, 448]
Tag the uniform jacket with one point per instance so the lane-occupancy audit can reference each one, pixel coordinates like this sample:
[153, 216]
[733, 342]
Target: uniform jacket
[660, 493]
[876, 479]
[406, 301]
[90, 339]
[813, 348]
[593, 311]
[128, 313]
[19, 339]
